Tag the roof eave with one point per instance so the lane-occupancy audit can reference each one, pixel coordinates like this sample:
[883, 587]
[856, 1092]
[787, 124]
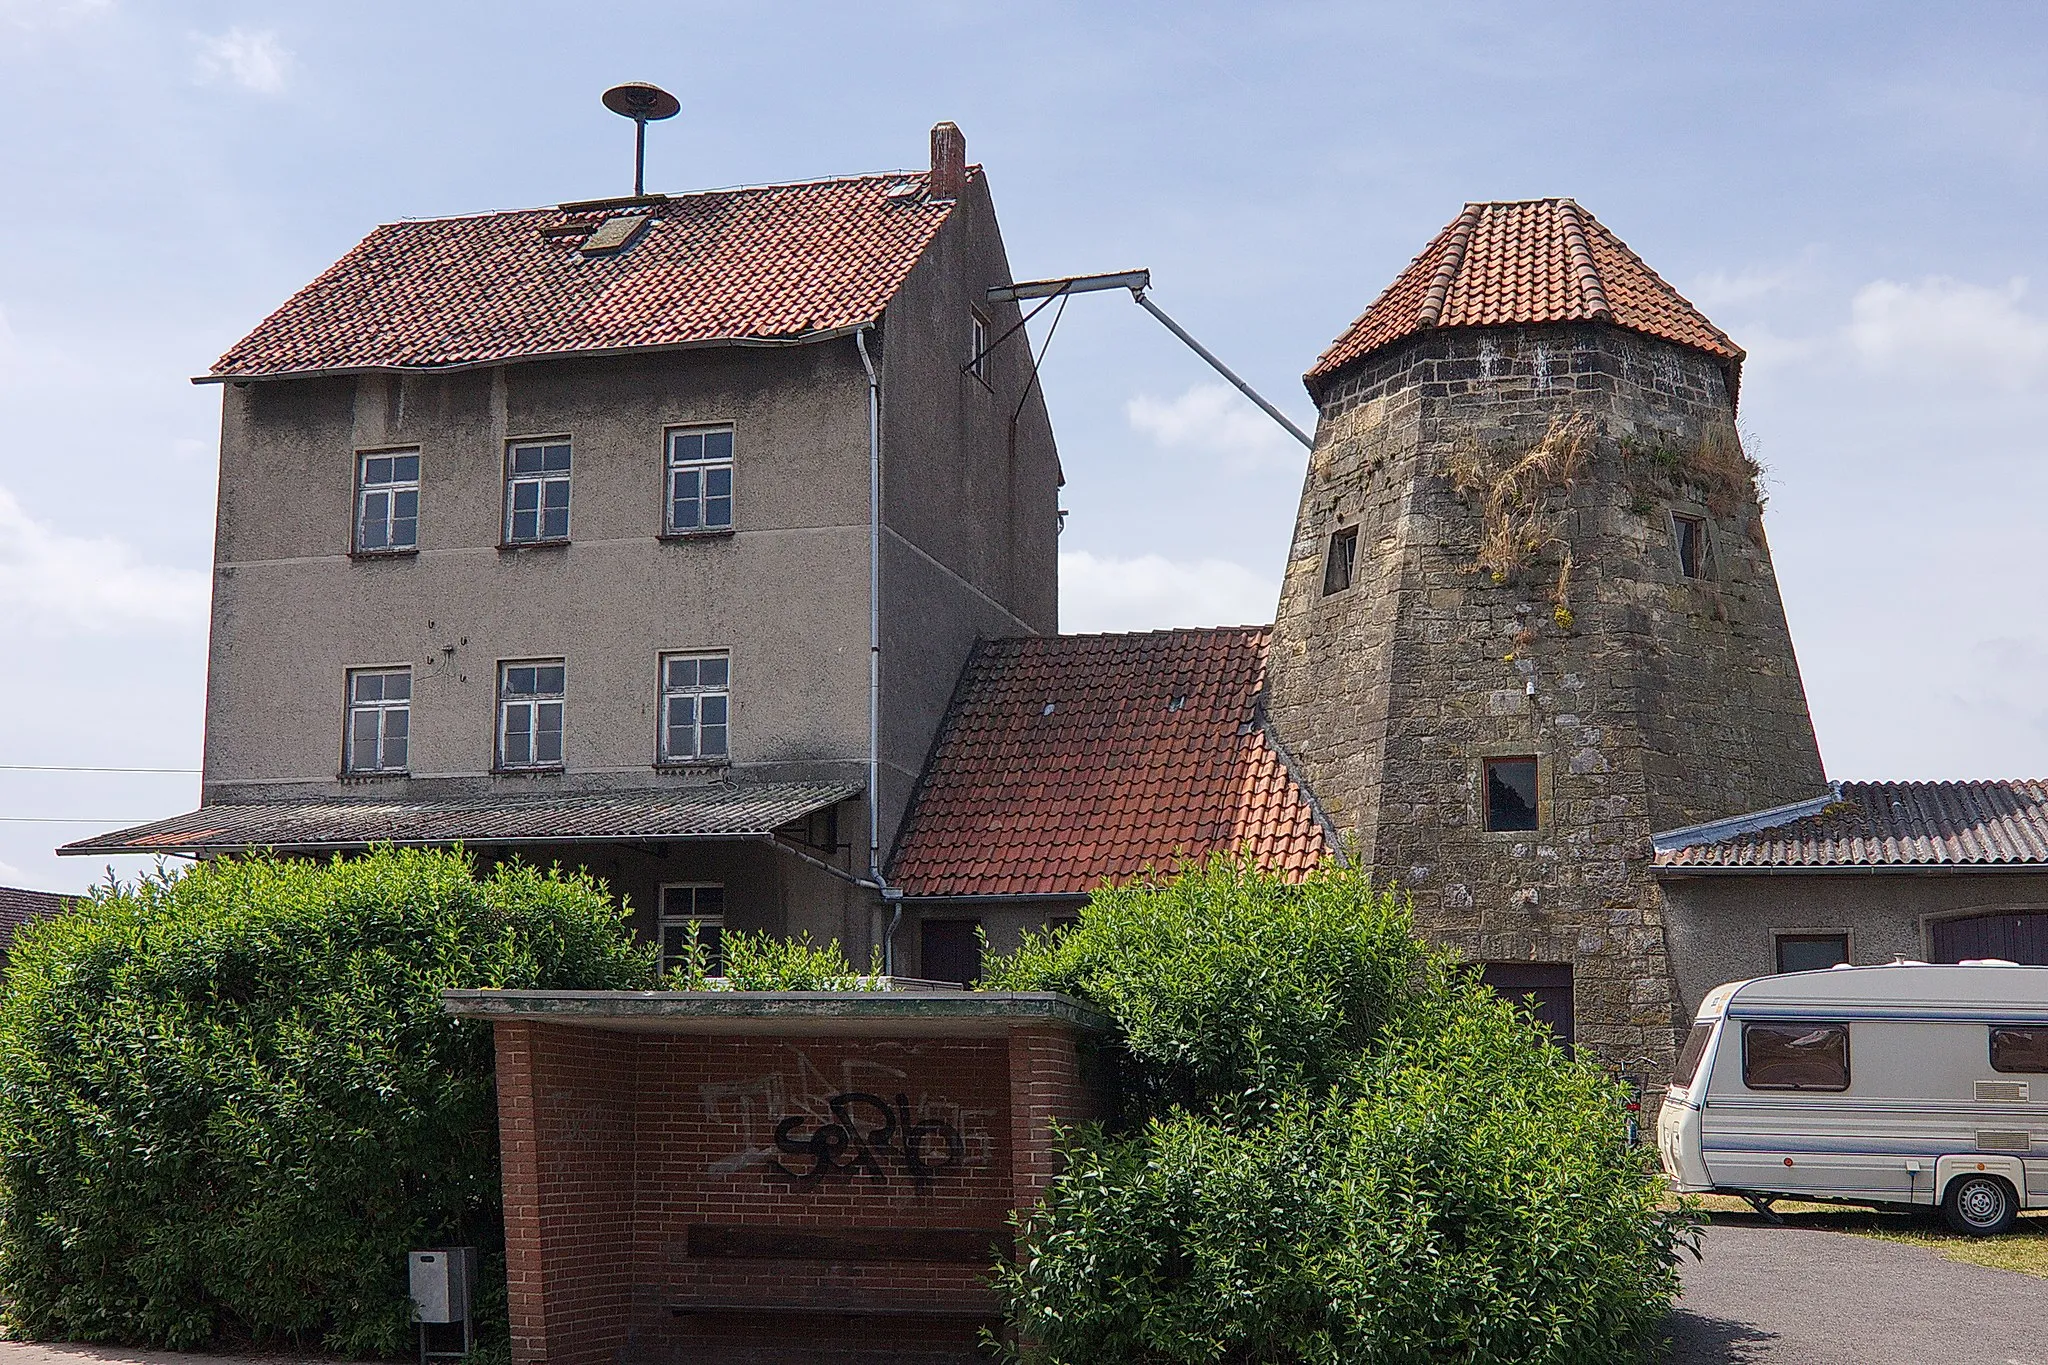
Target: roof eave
[86, 848]
[1672, 871]
[348, 371]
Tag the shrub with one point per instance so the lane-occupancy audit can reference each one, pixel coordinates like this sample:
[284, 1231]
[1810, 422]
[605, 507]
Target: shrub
[230, 1101]
[768, 962]
[1231, 989]
[1417, 1176]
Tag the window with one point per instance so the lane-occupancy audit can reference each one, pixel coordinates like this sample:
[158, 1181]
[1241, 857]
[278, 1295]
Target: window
[388, 502]
[1690, 1055]
[1695, 555]
[1811, 952]
[379, 719]
[699, 480]
[951, 951]
[977, 347]
[530, 714]
[1343, 557]
[695, 701]
[1510, 793]
[536, 492]
[2019, 1049]
[1795, 1056]
[1547, 984]
[687, 904]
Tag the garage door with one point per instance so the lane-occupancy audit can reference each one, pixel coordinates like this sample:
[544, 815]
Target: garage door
[2016, 938]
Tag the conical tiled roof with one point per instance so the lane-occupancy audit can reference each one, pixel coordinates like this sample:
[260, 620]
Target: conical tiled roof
[1522, 262]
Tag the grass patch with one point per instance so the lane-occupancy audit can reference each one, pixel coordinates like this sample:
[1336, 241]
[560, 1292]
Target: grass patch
[2024, 1249]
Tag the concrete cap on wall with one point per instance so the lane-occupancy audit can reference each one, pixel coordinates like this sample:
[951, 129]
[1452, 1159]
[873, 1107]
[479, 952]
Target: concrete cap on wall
[892, 1013]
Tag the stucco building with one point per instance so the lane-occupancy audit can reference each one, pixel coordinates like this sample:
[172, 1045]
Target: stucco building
[643, 534]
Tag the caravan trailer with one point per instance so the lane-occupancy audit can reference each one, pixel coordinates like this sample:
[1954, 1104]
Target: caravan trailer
[1906, 1085]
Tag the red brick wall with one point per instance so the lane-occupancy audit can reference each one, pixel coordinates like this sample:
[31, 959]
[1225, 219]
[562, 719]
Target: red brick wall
[618, 1145]
[566, 1128]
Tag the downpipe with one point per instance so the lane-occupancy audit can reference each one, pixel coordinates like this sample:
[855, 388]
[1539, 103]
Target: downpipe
[889, 894]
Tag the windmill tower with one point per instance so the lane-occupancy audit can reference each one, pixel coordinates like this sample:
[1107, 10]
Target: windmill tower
[1529, 615]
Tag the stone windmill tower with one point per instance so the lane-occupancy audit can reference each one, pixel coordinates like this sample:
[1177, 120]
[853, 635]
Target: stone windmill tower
[1529, 615]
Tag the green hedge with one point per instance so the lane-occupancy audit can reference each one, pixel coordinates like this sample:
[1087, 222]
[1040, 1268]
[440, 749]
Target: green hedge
[1336, 1146]
[230, 1101]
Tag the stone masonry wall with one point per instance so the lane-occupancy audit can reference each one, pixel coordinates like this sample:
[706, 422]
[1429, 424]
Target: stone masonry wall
[1657, 701]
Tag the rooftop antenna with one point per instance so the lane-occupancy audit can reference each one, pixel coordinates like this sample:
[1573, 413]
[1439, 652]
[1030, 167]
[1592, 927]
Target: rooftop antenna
[644, 104]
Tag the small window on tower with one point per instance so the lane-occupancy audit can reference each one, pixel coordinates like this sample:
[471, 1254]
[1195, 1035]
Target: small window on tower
[1342, 560]
[1510, 793]
[1689, 534]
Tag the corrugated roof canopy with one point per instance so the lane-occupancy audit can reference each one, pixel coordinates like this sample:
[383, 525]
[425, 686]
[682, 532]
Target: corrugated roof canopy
[1906, 825]
[1524, 262]
[774, 263]
[720, 810]
[1072, 760]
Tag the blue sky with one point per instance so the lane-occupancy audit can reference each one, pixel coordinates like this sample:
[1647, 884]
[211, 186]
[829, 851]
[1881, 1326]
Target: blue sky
[1856, 193]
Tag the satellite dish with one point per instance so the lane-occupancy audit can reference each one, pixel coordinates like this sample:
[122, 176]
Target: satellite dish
[641, 102]
[644, 104]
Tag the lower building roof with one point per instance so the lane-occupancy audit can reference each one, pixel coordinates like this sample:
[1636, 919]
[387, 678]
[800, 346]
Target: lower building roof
[20, 906]
[1072, 760]
[1870, 826]
[710, 811]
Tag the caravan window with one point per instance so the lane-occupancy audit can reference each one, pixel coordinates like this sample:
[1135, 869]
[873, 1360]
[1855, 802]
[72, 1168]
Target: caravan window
[1795, 1056]
[2019, 1049]
[1695, 1048]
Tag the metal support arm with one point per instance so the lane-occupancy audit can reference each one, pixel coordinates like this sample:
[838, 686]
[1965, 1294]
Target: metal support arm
[1203, 351]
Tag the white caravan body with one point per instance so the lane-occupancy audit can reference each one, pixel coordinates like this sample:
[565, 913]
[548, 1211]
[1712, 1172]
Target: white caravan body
[1874, 1085]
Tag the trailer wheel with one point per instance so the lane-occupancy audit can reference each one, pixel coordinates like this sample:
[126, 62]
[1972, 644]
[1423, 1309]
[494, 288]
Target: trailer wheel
[1980, 1205]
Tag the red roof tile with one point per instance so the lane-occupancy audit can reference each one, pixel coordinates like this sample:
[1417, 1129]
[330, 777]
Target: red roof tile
[770, 263]
[1523, 262]
[1991, 825]
[1072, 760]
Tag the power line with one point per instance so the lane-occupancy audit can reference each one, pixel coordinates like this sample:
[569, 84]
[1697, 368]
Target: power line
[78, 768]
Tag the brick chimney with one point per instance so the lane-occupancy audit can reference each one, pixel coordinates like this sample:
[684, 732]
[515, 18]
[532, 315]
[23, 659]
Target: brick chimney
[949, 161]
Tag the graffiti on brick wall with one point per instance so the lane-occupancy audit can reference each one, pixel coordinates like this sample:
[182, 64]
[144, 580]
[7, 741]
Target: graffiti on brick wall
[867, 1136]
[795, 1103]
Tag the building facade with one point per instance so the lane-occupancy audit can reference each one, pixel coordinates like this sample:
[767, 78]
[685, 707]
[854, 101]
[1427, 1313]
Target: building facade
[645, 535]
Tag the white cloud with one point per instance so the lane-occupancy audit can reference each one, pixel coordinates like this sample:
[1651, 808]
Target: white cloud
[1950, 328]
[32, 16]
[10, 874]
[1729, 288]
[1213, 419]
[60, 584]
[1151, 592]
[253, 60]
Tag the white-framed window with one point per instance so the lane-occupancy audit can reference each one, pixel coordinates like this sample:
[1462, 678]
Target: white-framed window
[978, 334]
[387, 502]
[699, 480]
[698, 903]
[696, 703]
[537, 491]
[530, 697]
[379, 720]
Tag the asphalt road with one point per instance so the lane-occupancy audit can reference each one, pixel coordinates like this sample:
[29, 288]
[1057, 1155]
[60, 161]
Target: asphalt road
[1798, 1296]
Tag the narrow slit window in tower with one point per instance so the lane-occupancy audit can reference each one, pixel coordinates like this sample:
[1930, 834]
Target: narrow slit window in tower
[1343, 558]
[1689, 534]
[1510, 793]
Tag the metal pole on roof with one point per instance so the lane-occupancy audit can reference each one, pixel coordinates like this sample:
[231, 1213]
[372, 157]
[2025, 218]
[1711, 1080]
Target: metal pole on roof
[1137, 281]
